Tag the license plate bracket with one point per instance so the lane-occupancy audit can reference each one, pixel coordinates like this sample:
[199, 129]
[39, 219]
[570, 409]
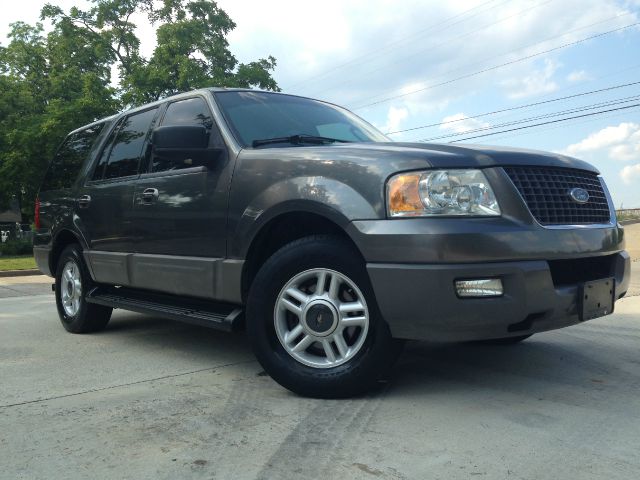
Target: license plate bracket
[596, 298]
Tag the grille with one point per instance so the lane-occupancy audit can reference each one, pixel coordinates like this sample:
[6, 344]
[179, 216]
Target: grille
[546, 192]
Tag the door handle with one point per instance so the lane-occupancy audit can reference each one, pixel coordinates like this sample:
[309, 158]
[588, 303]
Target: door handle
[149, 195]
[84, 201]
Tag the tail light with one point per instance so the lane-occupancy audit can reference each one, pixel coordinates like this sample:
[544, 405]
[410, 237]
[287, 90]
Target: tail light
[36, 216]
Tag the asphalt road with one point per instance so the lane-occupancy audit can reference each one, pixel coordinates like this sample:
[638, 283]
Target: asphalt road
[150, 398]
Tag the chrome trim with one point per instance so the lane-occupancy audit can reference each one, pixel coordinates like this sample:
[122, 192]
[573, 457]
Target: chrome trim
[575, 193]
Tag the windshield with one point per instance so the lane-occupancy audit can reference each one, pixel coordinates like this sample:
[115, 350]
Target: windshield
[255, 116]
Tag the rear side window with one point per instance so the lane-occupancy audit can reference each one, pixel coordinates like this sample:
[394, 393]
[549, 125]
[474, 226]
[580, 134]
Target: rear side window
[69, 158]
[104, 156]
[130, 139]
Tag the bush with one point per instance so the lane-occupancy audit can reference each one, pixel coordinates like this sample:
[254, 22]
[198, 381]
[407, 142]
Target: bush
[16, 247]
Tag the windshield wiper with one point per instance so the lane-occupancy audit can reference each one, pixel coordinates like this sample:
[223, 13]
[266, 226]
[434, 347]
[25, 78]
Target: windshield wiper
[298, 140]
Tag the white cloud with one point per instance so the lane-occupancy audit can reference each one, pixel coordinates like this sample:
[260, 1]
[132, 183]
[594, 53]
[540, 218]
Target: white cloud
[537, 82]
[461, 123]
[354, 52]
[361, 51]
[620, 142]
[627, 151]
[577, 76]
[630, 173]
[395, 116]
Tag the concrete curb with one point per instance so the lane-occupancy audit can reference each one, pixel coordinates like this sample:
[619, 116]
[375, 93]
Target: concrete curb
[20, 273]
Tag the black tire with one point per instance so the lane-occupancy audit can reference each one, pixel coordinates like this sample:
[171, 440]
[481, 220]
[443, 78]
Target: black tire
[89, 317]
[360, 373]
[505, 341]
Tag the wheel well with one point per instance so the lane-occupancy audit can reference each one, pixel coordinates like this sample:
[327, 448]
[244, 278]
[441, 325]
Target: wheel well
[280, 231]
[63, 239]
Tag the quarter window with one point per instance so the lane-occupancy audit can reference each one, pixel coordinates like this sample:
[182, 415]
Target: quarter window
[129, 142]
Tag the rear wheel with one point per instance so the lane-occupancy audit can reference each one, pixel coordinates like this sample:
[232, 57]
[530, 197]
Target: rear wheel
[72, 284]
[313, 321]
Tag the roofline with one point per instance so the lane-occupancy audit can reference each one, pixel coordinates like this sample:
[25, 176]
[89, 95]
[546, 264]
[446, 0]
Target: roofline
[206, 90]
[224, 89]
[141, 107]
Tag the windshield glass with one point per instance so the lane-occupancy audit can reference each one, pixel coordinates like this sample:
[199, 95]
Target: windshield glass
[261, 115]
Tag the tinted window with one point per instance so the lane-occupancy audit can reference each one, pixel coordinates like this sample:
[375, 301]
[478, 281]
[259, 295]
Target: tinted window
[260, 115]
[129, 141]
[342, 131]
[104, 156]
[193, 111]
[69, 158]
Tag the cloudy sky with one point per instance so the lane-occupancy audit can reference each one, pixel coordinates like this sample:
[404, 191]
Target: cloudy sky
[442, 65]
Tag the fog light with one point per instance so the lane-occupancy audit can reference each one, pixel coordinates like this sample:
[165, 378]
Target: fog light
[479, 287]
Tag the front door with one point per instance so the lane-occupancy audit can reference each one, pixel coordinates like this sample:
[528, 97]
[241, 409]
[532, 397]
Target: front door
[180, 207]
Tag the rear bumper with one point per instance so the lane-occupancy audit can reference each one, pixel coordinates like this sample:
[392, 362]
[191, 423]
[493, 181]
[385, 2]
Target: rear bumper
[419, 300]
[42, 255]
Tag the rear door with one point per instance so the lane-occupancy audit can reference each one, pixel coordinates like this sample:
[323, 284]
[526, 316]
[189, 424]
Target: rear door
[105, 203]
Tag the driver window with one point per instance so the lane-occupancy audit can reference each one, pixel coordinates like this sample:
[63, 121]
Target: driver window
[192, 111]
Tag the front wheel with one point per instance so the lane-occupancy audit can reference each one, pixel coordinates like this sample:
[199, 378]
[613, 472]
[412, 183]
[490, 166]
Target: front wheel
[313, 321]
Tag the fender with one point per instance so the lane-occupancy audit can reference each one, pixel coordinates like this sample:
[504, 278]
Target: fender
[323, 196]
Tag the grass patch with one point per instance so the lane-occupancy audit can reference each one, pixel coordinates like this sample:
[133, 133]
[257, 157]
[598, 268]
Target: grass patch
[17, 263]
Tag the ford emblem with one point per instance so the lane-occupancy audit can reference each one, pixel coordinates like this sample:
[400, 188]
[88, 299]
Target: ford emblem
[579, 195]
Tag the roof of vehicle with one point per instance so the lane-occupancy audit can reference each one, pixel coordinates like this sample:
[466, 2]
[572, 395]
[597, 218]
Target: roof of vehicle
[177, 96]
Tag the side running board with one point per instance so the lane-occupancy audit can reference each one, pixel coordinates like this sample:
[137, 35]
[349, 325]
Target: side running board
[221, 316]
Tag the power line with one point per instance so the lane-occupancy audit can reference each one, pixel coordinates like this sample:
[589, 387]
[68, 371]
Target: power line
[506, 54]
[495, 67]
[583, 108]
[518, 107]
[401, 40]
[433, 47]
[547, 123]
[579, 122]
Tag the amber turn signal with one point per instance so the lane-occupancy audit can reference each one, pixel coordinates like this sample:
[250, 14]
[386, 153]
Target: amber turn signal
[404, 196]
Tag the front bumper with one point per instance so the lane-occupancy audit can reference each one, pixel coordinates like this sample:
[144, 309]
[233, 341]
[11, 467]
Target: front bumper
[419, 300]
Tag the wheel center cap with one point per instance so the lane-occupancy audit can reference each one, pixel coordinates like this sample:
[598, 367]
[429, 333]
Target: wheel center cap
[320, 319]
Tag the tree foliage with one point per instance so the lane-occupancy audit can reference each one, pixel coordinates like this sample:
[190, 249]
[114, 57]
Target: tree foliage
[89, 66]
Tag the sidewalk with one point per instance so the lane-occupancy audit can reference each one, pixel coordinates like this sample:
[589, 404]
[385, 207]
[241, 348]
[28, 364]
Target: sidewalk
[21, 286]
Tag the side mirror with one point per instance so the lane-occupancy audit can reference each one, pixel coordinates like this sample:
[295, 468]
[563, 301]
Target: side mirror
[180, 137]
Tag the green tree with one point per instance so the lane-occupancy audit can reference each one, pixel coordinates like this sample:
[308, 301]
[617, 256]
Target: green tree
[89, 66]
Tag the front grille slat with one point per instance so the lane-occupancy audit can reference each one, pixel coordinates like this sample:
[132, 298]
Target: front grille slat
[546, 193]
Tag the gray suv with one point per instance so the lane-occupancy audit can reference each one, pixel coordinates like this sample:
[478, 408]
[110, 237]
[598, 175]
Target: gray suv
[296, 220]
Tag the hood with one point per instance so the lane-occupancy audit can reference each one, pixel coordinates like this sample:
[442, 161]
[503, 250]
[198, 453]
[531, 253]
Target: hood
[465, 156]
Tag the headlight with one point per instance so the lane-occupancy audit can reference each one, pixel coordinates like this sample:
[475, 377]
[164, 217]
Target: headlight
[441, 192]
